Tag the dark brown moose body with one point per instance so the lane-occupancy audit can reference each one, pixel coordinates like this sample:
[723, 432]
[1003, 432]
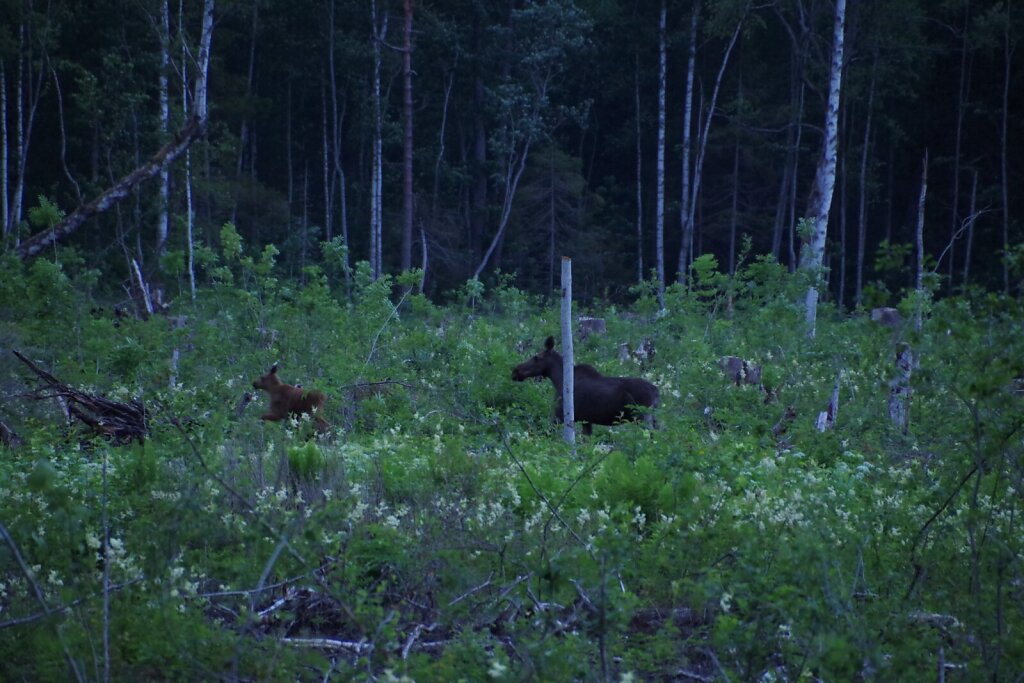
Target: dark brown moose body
[287, 400]
[598, 399]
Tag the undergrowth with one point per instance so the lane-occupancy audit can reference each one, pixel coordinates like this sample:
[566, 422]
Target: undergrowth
[442, 530]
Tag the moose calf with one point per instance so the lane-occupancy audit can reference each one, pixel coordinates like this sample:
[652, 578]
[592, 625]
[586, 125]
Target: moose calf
[287, 400]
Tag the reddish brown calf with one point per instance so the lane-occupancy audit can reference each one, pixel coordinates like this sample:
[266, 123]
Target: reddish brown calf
[287, 400]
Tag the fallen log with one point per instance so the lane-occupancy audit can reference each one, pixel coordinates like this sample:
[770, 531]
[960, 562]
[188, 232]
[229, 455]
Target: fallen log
[120, 423]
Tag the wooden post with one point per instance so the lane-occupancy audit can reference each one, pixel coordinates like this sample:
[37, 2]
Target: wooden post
[568, 408]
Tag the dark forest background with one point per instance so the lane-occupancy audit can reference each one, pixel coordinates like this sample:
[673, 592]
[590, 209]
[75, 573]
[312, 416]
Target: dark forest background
[568, 88]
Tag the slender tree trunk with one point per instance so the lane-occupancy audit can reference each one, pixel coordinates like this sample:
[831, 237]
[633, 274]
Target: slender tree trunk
[304, 234]
[792, 149]
[552, 221]
[64, 137]
[290, 170]
[972, 217]
[479, 197]
[961, 106]
[407, 151]
[244, 134]
[782, 201]
[890, 186]
[862, 192]
[660, 168]
[686, 197]
[813, 250]
[793, 179]
[165, 129]
[734, 214]
[337, 118]
[4, 155]
[326, 166]
[919, 242]
[841, 298]
[1008, 50]
[702, 144]
[28, 91]
[515, 165]
[639, 142]
[330, 176]
[436, 191]
[376, 203]
[189, 212]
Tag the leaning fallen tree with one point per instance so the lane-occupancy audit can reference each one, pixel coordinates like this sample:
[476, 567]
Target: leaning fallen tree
[193, 129]
[120, 423]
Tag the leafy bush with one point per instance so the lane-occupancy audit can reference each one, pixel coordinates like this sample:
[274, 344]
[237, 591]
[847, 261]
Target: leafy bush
[442, 529]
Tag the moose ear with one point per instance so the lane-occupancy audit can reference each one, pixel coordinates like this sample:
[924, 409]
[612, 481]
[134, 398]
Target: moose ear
[549, 343]
[273, 369]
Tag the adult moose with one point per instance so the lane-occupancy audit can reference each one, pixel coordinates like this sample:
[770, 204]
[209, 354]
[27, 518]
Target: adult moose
[598, 399]
[290, 401]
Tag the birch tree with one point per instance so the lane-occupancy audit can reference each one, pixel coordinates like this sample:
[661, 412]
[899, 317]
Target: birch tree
[659, 208]
[380, 31]
[813, 253]
[29, 83]
[407, 150]
[690, 201]
[546, 36]
[164, 34]
[194, 127]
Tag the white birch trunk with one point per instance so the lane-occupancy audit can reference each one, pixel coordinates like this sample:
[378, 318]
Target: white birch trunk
[702, 144]
[659, 210]
[813, 252]
[4, 169]
[165, 127]
[639, 188]
[29, 90]
[568, 365]
[685, 212]
[841, 296]
[407, 139]
[376, 205]
[513, 173]
[189, 214]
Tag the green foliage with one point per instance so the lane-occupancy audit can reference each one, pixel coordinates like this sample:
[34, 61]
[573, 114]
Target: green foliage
[46, 215]
[448, 503]
[305, 461]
